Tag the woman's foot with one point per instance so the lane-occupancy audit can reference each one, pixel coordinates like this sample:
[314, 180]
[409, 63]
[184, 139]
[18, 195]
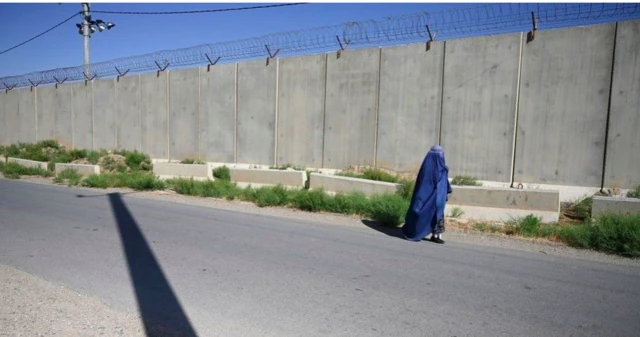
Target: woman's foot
[437, 240]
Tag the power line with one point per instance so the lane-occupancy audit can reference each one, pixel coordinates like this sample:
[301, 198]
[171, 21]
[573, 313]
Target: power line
[37, 36]
[204, 10]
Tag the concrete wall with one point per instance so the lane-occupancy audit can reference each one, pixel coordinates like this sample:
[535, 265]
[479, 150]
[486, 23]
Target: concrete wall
[623, 145]
[4, 136]
[564, 98]
[479, 104]
[104, 114]
[154, 114]
[82, 115]
[218, 113]
[128, 105]
[184, 114]
[18, 108]
[499, 106]
[351, 104]
[410, 103]
[301, 91]
[46, 101]
[256, 116]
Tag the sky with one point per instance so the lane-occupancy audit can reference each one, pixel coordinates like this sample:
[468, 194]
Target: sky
[141, 34]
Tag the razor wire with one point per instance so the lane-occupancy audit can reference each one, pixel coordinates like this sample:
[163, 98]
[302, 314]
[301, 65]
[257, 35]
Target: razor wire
[445, 25]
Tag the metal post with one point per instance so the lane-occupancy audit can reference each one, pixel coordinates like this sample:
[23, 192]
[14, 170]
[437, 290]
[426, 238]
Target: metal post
[86, 34]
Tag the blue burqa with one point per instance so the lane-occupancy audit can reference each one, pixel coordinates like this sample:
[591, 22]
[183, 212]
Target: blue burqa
[429, 196]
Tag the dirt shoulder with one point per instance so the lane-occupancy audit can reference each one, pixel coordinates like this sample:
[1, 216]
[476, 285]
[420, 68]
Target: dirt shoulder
[32, 306]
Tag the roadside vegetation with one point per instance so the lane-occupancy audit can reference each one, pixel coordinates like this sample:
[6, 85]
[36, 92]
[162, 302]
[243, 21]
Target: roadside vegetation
[610, 233]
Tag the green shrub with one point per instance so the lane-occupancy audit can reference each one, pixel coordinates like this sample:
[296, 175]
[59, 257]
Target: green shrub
[352, 203]
[618, 234]
[372, 174]
[103, 180]
[388, 209]
[465, 181]
[139, 181]
[310, 200]
[222, 173]
[13, 170]
[271, 196]
[287, 166]
[111, 165]
[528, 226]
[406, 189]
[634, 192]
[94, 156]
[69, 176]
[581, 209]
[191, 161]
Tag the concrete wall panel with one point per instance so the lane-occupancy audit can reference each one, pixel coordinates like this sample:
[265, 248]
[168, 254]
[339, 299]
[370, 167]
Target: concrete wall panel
[104, 114]
[301, 110]
[479, 104]
[4, 136]
[218, 113]
[256, 112]
[622, 168]
[55, 114]
[184, 129]
[154, 114]
[410, 101]
[82, 115]
[128, 105]
[10, 115]
[564, 96]
[350, 114]
[46, 97]
[19, 111]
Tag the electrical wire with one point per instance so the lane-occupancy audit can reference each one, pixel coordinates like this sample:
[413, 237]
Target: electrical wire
[202, 11]
[39, 35]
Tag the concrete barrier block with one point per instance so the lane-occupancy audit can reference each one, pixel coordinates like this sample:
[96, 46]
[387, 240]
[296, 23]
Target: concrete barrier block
[502, 204]
[28, 163]
[3, 159]
[625, 206]
[266, 177]
[176, 170]
[540, 200]
[83, 169]
[337, 184]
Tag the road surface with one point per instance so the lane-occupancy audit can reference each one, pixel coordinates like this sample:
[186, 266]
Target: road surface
[209, 272]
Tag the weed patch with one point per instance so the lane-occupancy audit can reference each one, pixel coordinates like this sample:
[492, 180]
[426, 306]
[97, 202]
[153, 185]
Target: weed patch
[372, 174]
[15, 171]
[456, 212]
[222, 173]
[286, 167]
[580, 210]
[465, 181]
[192, 161]
[634, 192]
[68, 176]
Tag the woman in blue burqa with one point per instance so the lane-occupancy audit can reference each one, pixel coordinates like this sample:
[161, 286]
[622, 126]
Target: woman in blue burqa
[426, 211]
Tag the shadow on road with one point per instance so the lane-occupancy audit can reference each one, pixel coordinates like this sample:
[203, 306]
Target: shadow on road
[393, 232]
[159, 307]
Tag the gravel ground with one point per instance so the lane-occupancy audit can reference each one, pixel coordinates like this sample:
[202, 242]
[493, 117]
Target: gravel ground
[31, 306]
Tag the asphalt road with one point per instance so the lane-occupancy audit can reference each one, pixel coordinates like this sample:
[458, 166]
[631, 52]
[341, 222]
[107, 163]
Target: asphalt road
[210, 272]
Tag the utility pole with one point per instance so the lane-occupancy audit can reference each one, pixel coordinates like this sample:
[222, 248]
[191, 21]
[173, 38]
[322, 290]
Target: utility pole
[86, 34]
